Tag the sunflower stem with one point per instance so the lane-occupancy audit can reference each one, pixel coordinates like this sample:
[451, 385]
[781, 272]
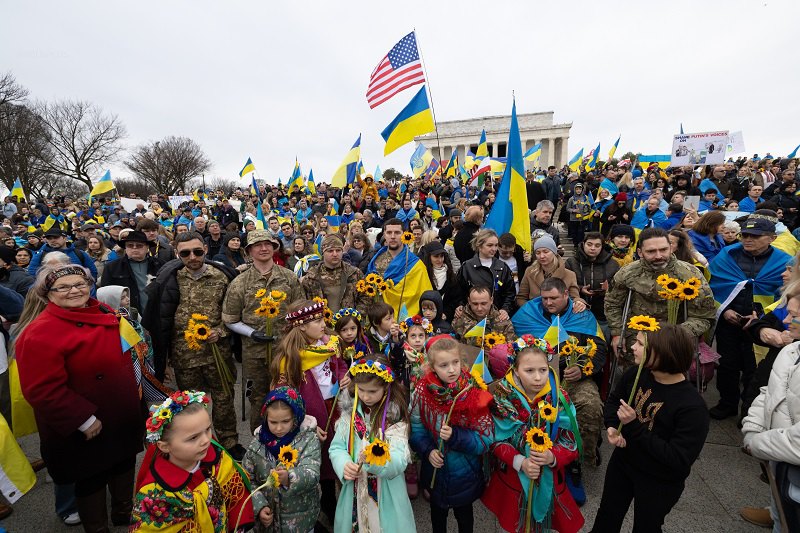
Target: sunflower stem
[636, 381]
[529, 507]
[447, 422]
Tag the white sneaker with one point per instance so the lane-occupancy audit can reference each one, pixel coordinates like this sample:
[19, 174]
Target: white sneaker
[72, 519]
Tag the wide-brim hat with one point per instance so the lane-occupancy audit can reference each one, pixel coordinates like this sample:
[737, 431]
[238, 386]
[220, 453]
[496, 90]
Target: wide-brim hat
[134, 236]
[261, 235]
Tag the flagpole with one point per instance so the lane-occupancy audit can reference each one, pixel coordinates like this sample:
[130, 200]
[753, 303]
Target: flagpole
[430, 95]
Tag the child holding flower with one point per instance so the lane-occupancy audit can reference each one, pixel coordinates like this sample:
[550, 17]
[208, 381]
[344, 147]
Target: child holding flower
[308, 359]
[285, 459]
[370, 451]
[451, 429]
[347, 323]
[535, 439]
[408, 363]
[187, 482]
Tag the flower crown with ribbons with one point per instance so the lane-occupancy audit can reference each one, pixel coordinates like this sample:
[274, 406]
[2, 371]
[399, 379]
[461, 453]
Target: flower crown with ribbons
[162, 415]
[370, 366]
[306, 314]
[416, 320]
[529, 341]
[348, 311]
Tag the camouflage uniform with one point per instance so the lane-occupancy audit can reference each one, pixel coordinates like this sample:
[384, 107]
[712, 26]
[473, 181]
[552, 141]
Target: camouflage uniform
[327, 283]
[197, 369]
[239, 306]
[640, 278]
[467, 321]
[589, 413]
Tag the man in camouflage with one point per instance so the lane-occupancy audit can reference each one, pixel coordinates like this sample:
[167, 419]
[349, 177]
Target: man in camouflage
[200, 289]
[479, 306]
[638, 280]
[259, 334]
[334, 280]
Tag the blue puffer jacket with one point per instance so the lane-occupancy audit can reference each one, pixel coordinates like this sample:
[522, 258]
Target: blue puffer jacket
[461, 480]
[707, 245]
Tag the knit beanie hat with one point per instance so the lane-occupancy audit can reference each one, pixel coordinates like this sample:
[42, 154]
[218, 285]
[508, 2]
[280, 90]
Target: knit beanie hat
[545, 241]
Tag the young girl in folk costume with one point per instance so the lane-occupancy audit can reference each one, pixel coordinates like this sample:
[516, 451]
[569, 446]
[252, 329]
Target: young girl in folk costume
[308, 360]
[409, 363]
[187, 482]
[286, 453]
[535, 439]
[452, 449]
[352, 342]
[370, 451]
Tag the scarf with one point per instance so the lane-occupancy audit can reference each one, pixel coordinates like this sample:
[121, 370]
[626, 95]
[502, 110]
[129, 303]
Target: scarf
[311, 356]
[435, 399]
[439, 277]
[619, 253]
[291, 398]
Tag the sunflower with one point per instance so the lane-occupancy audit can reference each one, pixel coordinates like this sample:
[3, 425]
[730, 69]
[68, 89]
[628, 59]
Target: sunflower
[547, 412]
[260, 293]
[662, 279]
[164, 414]
[407, 237]
[389, 283]
[643, 323]
[361, 285]
[198, 316]
[371, 278]
[274, 480]
[369, 290]
[538, 440]
[666, 295]
[591, 347]
[271, 311]
[201, 331]
[688, 292]
[288, 456]
[328, 315]
[673, 285]
[277, 296]
[377, 453]
[403, 326]
[261, 311]
[479, 380]
[567, 349]
[383, 286]
[588, 368]
[694, 282]
[493, 339]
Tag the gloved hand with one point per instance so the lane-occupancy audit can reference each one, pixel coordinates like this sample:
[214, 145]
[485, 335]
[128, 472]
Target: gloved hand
[261, 338]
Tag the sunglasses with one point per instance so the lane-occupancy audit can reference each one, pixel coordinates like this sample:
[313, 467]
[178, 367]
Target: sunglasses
[197, 252]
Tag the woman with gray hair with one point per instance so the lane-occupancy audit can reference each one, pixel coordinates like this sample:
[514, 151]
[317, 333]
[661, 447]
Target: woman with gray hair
[81, 385]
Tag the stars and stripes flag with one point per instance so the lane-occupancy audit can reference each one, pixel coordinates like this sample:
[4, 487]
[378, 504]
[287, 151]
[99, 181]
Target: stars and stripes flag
[398, 70]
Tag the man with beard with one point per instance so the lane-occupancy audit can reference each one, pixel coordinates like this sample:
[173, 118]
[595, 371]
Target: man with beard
[635, 285]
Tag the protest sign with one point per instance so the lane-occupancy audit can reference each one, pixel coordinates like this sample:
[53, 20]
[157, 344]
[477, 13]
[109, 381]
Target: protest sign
[735, 144]
[699, 148]
[176, 201]
[129, 204]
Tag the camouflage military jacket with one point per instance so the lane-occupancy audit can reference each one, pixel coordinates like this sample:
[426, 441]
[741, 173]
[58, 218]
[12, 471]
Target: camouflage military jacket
[203, 296]
[640, 278]
[241, 303]
[327, 283]
[467, 321]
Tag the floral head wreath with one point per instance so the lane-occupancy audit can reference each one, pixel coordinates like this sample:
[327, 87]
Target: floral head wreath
[417, 320]
[306, 314]
[529, 341]
[370, 366]
[162, 415]
[348, 311]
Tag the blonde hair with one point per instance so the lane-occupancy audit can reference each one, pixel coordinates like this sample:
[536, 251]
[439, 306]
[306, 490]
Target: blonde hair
[445, 345]
[480, 238]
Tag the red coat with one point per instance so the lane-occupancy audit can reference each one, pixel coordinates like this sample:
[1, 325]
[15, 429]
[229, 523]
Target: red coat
[503, 496]
[71, 366]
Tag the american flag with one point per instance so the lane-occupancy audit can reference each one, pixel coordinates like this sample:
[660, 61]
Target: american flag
[397, 71]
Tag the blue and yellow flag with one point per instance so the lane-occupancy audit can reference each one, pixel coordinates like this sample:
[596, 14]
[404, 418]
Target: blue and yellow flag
[478, 330]
[614, 148]
[261, 222]
[576, 160]
[534, 154]
[430, 201]
[254, 188]
[104, 185]
[530, 319]
[663, 161]
[311, 187]
[510, 211]
[410, 279]
[609, 186]
[480, 368]
[296, 180]
[790, 156]
[346, 173]
[421, 160]
[248, 167]
[128, 336]
[452, 165]
[483, 148]
[334, 221]
[415, 119]
[593, 161]
[469, 159]
[17, 191]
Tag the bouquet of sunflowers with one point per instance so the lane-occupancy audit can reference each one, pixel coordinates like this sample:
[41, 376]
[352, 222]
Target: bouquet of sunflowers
[492, 339]
[580, 356]
[197, 331]
[676, 291]
[269, 307]
[373, 285]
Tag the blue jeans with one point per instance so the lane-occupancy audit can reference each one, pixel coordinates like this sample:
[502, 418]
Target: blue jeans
[65, 499]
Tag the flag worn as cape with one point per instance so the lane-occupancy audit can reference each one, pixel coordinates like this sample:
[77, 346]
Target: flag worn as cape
[410, 279]
[530, 319]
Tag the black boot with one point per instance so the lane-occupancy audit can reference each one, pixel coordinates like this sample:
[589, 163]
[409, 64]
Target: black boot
[93, 513]
[121, 489]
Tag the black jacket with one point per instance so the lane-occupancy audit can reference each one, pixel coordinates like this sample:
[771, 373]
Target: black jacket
[162, 303]
[119, 272]
[461, 242]
[16, 278]
[593, 274]
[498, 276]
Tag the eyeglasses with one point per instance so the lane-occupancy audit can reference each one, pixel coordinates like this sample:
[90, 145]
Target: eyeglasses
[197, 252]
[66, 288]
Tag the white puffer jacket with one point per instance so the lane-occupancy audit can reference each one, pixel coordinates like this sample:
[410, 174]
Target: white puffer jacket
[772, 425]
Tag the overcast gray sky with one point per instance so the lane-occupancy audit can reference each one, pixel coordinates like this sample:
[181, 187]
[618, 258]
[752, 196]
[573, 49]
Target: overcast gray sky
[275, 80]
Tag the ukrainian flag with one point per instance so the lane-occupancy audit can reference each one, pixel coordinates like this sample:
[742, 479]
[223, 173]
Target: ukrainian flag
[614, 149]
[410, 279]
[421, 160]
[480, 369]
[530, 319]
[576, 160]
[415, 119]
[452, 165]
[297, 178]
[104, 185]
[790, 156]
[15, 470]
[333, 223]
[593, 162]
[510, 212]
[248, 167]
[478, 330]
[430, 201]
[311, 187]
[608, 185]
[483, 148]
[261, 222]
[533, 154]
[469, 159]
[346, 173]
[360, 168]
[662, 160]
[254, 188]
[128, 336]
[17, 191]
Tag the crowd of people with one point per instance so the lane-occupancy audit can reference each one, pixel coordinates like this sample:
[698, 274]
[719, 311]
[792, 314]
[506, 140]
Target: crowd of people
[368, 322]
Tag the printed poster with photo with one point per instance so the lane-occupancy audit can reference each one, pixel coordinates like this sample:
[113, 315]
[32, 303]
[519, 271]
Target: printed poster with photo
[699, 148]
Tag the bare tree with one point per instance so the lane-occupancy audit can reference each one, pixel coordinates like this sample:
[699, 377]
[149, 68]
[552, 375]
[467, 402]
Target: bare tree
[131, 185]
[168, 165]
[24, 143]
[81, 139]
[12, 94]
